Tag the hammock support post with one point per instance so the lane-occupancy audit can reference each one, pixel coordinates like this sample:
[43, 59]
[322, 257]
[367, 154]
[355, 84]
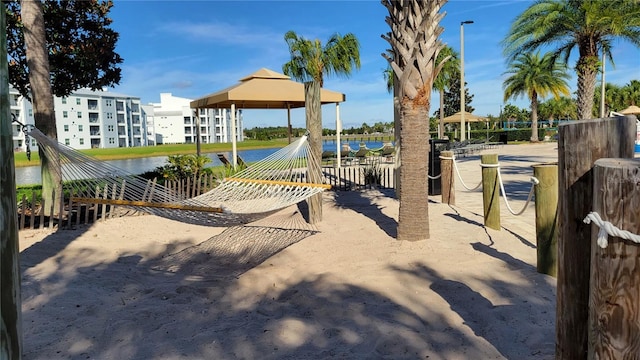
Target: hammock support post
[546, 206]
[614, 298]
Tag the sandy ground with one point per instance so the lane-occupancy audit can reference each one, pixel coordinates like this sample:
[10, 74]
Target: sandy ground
[144, 287]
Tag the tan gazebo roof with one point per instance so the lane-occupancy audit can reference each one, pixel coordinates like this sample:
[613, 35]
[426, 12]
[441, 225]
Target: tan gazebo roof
[264, 89]
[468, 117]
[631, 110]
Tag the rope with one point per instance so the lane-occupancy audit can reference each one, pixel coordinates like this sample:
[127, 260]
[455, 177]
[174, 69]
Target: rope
[455, 166]
[534, 182]
[608, 229]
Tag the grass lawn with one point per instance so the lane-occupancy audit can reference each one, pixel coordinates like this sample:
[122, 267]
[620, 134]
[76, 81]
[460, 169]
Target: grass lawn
[160, 150]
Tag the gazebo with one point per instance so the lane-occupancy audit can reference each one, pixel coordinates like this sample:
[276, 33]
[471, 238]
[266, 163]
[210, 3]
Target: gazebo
[469, 118]
[264, 89]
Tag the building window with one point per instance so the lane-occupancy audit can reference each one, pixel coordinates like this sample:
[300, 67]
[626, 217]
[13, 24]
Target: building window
[65, 114]
[66, 129]
[81, 141]
[79, 127]
[30, 112]
[109, 115]
[112, 141]
[110, 128]
[78, 101]
[64, 100]
[79, 114]
[67, 142]
[109, 103]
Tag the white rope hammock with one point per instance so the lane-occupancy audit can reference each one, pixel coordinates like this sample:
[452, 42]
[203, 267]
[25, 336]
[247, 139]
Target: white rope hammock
[276, 182]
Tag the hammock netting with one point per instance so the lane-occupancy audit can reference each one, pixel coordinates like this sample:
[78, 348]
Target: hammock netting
[278, 181]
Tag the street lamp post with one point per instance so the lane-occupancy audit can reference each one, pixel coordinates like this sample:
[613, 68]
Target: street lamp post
[462, 87]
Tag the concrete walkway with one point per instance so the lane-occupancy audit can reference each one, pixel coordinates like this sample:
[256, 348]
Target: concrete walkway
[516, 170]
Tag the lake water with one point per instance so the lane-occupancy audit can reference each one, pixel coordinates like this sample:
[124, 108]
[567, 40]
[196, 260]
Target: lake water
[31, 174]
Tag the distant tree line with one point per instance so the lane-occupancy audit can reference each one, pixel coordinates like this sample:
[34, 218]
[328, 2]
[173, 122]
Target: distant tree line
[280, 132]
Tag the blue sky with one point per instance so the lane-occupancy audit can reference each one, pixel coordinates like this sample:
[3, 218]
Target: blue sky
[194, 48]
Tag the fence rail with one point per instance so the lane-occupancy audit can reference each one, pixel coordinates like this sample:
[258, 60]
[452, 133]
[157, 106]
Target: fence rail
[31, 211]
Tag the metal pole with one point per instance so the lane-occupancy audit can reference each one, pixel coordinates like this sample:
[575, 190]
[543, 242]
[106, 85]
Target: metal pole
[234, 148]
[602, 89]
[338, 130]
[462, 87]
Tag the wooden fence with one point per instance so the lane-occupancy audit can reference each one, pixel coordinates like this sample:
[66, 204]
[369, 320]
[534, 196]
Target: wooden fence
[31, 211]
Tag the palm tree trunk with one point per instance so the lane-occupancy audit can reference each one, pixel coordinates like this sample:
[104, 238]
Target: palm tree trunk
[534, 118]
[10, 347]
[314, 126]
[587, 73]
[41, 95]
[413, 217]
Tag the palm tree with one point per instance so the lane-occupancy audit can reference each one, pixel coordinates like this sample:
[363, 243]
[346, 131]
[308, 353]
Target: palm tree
[590, 26]
[535, 76]
[449, 71]
[41, 94]
[310, 62]
[415, 44]
[558, 109]
[10, 303]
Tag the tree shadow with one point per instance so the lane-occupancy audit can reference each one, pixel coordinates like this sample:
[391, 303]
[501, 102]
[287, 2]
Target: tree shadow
[363, 202]
[521, 328]
[127, 309]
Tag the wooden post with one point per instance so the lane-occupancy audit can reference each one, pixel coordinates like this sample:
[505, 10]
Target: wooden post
[580, 144]
[10, 298]
[490, 192]
[447, 178]
[614, 299]
[546, 195]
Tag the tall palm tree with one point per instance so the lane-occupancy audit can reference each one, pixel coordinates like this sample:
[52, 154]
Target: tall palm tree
[41, 94]
[415, 44]
[535, 76]
[450, 70]
[310, 62]
[10, 298]
[590, 26]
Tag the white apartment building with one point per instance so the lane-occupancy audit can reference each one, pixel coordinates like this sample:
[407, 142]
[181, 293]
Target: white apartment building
[174, 122]
[101, 119]
[87, 119]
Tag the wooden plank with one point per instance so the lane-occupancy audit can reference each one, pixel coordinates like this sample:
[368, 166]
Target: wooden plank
[103, 202]
[42, 207]
[580, 144]
[69, 214]
[614, 300]
[95, 206]
[105, 195]
[23, 209]
[32, 218]
[284, 183]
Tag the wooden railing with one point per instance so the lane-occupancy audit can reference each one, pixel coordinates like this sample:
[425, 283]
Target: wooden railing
[68, 213]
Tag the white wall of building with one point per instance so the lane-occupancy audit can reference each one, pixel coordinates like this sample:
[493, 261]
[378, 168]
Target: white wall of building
[87, 119]
[175, 122]
[101, 119]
